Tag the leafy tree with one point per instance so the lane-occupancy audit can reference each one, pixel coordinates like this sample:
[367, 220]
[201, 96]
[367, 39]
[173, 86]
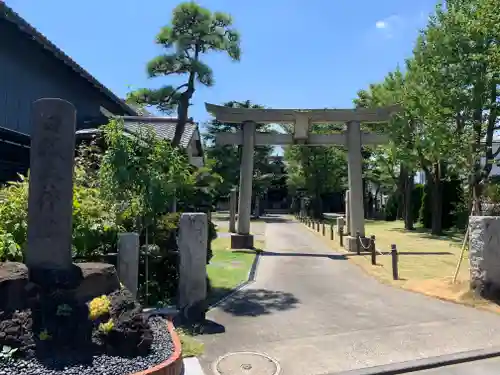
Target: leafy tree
[227, 158]
[316, 170]
[193, 32]
[140, 174]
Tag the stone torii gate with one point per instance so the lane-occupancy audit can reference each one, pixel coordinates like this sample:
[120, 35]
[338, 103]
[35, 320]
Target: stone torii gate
[352, 138]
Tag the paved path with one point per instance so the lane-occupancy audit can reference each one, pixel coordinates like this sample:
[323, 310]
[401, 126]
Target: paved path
[484, 367]
[316, 313]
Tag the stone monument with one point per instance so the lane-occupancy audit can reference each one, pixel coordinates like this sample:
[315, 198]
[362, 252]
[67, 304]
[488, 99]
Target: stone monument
[484, 255]
[128, 261]
[50, 203]
[192, 243]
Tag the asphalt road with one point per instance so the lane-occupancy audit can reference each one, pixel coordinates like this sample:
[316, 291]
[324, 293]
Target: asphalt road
[483, 367]
[316, 313]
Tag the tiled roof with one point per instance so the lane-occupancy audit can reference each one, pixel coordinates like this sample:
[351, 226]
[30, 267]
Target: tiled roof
[164, 127]
[9, 15]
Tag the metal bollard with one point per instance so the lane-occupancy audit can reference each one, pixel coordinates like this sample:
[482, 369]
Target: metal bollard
[394, 254]
[317, 226]
[341, 236]
[331, 232]
[323, 229]
[358, 243]
[373, 250]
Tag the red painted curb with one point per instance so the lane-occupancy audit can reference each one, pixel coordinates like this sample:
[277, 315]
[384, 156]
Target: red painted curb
[173, 365]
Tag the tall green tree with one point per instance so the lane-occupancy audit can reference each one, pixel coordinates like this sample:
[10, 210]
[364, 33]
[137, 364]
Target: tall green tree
[193, 32]
[317, 170]
[227, 158]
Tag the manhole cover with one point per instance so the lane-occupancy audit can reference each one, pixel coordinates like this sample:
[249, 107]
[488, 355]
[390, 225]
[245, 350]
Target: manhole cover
[246, 363]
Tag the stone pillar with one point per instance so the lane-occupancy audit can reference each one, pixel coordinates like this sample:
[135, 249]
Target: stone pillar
[244, 240]
[484, 255]
[128, 261]
[192, 242]
[340, 225]
[50, 203]
[303, 209]
[232, 210]
[356, 202]
[347, 213]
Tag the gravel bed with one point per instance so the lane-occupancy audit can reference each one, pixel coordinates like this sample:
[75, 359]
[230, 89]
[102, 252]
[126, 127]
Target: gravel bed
[162, 348]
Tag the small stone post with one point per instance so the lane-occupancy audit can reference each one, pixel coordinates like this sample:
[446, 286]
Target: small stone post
[394, 256]
[128, 261]
[192, 242]
[232, 210]
[373, 250]
[50, 203]
[347, 230]
[340, 225]
[303, 209]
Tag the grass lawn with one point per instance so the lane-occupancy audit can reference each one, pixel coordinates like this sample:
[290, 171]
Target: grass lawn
[191, 347]
[427, 263]
[228, 268]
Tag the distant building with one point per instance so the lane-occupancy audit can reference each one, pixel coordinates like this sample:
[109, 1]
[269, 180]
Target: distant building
[164, 128]
[32, 67]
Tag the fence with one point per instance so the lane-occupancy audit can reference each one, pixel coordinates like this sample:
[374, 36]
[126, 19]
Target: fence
[363, 244]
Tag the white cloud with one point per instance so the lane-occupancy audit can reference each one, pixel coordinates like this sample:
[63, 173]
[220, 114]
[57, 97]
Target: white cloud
[388, 26]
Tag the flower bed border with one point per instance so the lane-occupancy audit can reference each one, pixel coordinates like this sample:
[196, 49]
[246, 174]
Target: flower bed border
[173, 365]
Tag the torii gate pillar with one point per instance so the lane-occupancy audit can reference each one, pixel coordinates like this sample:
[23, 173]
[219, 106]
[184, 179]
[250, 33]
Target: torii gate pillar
[243, 239]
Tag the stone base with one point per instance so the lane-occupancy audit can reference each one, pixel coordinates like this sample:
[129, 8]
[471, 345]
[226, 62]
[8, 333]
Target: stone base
[242, 241]
[351, 244]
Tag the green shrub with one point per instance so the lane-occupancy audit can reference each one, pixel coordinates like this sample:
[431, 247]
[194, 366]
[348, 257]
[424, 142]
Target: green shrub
[14, 215]
[163, 264]
[392, 206]
[425, 212]
[416, 200]
[94, 227]
[452, 204]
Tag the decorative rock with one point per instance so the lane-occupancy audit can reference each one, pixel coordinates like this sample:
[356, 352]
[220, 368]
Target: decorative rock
[484, 255]
[97, 279]
[192, 243]
[13, 281]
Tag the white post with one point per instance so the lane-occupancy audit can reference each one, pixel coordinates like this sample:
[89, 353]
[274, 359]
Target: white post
[355, 160]
[128, 261]
[244, 239]
[232, 210]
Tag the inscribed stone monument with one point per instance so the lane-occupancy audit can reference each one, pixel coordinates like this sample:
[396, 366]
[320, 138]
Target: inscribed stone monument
[50, 202]
[192, 243]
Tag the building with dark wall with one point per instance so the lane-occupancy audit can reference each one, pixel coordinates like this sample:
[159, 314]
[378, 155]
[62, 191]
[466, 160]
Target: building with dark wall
[31, 67]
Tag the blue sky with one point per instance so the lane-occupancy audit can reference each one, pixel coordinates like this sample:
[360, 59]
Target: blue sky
[296, 54]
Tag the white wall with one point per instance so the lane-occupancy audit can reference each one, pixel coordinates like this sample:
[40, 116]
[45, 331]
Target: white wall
[495, 170]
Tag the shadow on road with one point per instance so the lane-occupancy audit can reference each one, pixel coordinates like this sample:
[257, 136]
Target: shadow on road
[276, 254]
[256, 302]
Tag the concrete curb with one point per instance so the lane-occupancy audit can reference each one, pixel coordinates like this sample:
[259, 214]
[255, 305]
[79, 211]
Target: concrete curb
[252, 275]
[425, 363]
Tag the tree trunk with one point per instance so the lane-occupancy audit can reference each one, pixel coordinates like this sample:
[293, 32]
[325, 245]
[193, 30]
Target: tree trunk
[408, 192]
[403, 177]
[437, 202]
